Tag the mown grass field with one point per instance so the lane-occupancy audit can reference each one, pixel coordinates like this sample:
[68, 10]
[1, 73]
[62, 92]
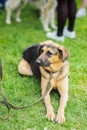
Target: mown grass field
[26, 90]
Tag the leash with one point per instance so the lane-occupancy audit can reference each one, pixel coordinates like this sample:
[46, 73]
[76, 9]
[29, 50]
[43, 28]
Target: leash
[9, 105]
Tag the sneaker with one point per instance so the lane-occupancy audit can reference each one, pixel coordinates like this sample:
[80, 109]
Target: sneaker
[69, 34]
[81, 12]
[53, 35]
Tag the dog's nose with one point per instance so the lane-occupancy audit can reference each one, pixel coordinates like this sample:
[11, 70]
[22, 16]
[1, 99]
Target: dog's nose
[38, 61]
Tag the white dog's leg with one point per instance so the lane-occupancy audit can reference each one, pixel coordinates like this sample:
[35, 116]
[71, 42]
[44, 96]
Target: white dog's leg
[48, 14]
[18, 19]
[45, 19]
[52, 16]
[8, 16]
[10, 6]
[52, 19]
[18, 11]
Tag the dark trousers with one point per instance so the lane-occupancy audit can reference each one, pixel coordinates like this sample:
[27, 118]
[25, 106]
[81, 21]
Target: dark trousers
[66, 9]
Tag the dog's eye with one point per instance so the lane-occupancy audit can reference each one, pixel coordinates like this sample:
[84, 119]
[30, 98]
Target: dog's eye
[41, 51]
[49, 53]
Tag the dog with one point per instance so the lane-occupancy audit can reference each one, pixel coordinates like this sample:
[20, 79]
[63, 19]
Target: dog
[16, 5]
[46, 7]
[48, 62]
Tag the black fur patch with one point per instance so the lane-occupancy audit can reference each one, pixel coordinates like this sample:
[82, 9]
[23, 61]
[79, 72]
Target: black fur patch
[30, 55]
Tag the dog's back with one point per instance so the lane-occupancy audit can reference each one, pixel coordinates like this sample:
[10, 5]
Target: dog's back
[30, 55]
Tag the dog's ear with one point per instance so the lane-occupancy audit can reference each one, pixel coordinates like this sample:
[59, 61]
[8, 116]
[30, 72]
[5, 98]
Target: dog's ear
[40, 49]
[64, 53]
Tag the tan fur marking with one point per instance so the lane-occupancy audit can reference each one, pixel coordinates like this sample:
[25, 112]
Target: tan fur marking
[24, 68]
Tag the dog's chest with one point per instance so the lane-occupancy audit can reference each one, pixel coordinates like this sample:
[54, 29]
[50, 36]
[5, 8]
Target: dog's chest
[54, 78]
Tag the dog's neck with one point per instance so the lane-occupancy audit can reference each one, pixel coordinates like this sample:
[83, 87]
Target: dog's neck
[54, 67]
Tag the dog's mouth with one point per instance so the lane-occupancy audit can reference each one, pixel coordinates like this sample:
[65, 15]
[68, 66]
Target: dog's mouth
[43, 63]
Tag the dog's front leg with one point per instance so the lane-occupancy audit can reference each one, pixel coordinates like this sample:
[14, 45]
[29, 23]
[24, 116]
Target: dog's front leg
[52, 16]
[18, 11]
[63, 100]
[8, 16]
[18, 19]
[45, 19]
[50, 113]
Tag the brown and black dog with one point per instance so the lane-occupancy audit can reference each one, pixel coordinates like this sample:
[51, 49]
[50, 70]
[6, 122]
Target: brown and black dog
[47, 61]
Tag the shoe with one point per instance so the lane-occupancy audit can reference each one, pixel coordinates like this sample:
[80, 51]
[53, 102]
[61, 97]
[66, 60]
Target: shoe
[53, 35]
[69, 34]
[81, 13]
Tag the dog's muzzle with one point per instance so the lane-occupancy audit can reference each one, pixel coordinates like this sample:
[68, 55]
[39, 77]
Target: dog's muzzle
[42, 63]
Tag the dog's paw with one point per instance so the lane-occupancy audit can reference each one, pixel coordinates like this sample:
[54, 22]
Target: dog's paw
[50, 115]
[54, 26]
[47, 29]
[60, 118]
[8, 22]
[18, 20]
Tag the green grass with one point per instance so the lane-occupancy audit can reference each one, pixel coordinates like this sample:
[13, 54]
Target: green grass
[26, 90]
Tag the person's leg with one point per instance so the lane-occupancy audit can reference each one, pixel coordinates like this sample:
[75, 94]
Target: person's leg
[84, 4]
[82, 11]
[62, 13]
[69, 31]
[71, 14]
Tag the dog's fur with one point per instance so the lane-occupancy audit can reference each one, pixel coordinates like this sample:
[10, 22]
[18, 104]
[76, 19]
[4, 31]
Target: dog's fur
[47, 61]
[16, 5]
[47, 8]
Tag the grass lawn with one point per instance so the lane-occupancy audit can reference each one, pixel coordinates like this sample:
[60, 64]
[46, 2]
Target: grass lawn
[14, 39]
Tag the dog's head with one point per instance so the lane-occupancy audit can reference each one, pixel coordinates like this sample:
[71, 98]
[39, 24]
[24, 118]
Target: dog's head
[51, 53]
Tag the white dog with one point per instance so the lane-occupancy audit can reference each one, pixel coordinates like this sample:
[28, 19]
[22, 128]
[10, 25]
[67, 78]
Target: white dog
[47, 8]
[16, 5]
